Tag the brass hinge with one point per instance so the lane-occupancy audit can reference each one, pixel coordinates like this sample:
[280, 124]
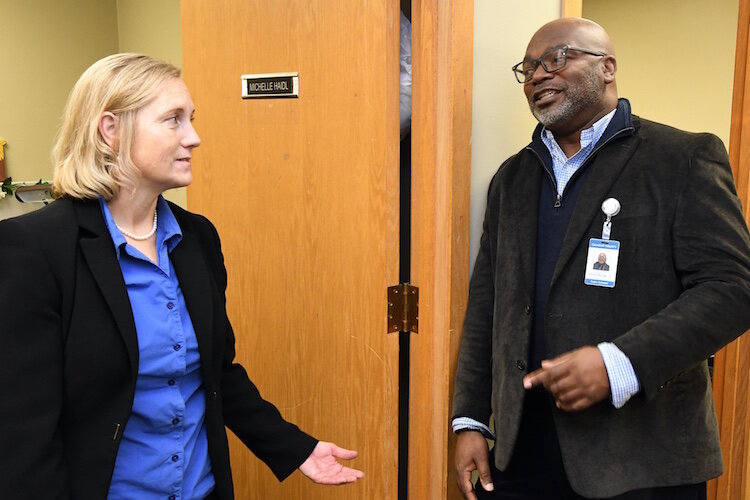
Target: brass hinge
[403, 308]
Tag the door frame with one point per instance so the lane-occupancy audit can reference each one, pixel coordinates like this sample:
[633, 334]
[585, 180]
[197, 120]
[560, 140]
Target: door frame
[442, 65]
[732, 364]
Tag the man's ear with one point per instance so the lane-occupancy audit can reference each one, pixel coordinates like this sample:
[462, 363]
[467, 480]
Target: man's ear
[109, 130]
[610, 68]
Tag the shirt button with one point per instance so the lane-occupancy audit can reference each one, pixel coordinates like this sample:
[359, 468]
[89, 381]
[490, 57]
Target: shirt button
[172, 497]
[175, 458]
[170, 305]
[521, 365]
[177, 347]
[171, 381]
[175, 421]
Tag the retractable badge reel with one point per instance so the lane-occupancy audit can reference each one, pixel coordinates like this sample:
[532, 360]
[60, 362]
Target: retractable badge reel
[601, 262]
[610, 207]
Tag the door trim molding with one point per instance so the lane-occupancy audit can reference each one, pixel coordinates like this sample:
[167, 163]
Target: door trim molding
[732, 364]
[442, 65]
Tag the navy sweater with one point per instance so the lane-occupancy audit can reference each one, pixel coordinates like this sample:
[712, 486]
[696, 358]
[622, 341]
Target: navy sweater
[554, 215]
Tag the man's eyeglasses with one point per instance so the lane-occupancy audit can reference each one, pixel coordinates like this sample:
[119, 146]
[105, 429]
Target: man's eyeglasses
[552, 60]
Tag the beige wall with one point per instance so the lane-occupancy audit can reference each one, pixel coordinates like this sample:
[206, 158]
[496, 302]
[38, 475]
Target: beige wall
[46, 45]
[675, 58]
[501, 121]
[153, 28]
[675, 65]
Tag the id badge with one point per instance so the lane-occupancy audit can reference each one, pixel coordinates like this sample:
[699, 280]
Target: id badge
[601, 262]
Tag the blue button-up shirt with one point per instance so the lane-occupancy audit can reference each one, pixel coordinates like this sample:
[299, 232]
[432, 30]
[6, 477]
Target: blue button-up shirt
[163, 453]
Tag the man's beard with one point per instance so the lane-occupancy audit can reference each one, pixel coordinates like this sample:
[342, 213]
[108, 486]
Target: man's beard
[587, 92]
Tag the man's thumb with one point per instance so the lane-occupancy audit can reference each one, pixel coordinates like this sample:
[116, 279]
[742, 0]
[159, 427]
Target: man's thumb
[485, 477]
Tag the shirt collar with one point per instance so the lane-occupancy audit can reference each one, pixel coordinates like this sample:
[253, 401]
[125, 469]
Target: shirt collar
[589, 136]
[167, 229]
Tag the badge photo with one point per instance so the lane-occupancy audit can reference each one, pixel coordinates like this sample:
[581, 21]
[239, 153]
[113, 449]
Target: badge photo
[601, 262]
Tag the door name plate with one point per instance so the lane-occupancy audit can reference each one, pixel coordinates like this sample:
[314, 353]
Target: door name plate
[268, 85]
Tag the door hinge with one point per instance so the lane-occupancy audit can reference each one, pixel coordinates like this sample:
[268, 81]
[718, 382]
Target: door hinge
[403, 308]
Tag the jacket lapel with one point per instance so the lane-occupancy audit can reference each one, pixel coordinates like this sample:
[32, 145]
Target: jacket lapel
[99, 253]
[609, 163]
[195, 283]
[524, 210]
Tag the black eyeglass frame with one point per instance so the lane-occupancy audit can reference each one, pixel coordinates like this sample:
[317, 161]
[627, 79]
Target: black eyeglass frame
[521, 75]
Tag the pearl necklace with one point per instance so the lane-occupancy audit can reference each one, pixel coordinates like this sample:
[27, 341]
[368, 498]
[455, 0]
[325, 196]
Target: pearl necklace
[138, 237]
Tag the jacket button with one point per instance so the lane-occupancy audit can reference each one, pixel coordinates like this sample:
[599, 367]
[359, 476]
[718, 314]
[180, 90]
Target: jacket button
[521, 365]
[527, 309]
[214, 395]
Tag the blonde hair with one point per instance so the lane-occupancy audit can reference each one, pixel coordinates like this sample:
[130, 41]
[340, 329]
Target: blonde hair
[86, 167]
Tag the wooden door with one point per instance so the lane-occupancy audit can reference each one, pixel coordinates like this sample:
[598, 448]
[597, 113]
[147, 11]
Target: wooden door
[304, 193]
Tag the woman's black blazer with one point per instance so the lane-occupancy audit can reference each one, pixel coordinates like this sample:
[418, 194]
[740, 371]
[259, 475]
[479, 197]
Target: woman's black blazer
[69, 356]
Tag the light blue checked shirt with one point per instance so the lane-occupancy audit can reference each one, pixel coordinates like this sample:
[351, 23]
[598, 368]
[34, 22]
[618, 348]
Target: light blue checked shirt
[565, 167]
[623, 382]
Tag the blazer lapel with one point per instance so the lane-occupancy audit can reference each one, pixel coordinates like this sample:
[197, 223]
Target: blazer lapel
[99, 253]
[523, 208]
[607, 167]
[195, 283]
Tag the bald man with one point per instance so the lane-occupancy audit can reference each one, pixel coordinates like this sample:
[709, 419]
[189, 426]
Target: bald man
[598, 384]
[601, 263]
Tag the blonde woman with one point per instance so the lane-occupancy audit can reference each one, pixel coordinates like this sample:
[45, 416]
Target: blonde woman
[116, 353]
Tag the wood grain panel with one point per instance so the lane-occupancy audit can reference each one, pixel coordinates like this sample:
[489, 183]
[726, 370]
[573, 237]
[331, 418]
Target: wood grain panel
[571, 8]
[442, 48]
[732, 364]
[304, 193]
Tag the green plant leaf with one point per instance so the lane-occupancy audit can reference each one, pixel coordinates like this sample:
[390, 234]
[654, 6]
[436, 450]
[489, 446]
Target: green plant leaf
[7, 186]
